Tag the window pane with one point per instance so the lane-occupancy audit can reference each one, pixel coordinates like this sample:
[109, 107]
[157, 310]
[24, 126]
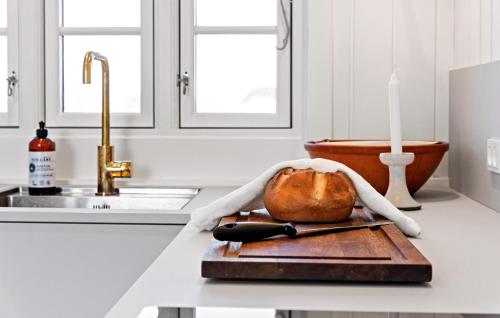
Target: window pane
[236, 74]
[101, 13]
[3, 13]
[236, 12]
[3, 73]
[124, 56]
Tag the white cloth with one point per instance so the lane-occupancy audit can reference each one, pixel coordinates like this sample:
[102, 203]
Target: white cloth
[250, 197]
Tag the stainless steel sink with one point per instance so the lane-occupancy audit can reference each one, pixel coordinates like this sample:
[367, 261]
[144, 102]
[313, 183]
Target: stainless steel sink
[85, 198]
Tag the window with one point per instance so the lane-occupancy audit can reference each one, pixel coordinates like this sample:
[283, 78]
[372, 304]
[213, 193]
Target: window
[121, 30]
[8, 64]
[231, 72]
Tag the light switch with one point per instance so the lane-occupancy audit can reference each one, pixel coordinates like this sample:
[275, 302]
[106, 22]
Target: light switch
[493, 155]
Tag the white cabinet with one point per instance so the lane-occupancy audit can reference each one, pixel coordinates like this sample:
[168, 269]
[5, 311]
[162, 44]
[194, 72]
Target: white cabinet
[73, 270]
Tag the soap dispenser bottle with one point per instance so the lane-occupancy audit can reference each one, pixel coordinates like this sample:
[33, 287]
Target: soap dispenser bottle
[42, 163]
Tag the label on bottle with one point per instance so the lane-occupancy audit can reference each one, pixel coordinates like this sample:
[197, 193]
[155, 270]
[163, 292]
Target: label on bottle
[42, 169]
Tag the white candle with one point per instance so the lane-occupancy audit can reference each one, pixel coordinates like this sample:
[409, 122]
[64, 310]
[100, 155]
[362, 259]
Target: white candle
[395, 115]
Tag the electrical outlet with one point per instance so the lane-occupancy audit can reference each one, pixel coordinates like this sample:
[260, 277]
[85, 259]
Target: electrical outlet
[493, 155]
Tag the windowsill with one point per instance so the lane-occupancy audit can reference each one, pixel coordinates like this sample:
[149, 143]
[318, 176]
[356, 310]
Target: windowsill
[158, 133]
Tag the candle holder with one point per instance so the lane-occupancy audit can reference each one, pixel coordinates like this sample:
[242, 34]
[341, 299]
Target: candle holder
[398, 193]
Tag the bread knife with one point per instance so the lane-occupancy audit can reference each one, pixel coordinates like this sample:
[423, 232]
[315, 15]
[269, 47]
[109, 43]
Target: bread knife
[256, 231]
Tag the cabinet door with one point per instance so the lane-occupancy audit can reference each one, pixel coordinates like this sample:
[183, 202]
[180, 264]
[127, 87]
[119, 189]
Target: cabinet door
[73, 270]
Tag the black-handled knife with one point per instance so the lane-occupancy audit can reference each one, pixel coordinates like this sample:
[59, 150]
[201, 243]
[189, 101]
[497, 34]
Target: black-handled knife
[255, 231]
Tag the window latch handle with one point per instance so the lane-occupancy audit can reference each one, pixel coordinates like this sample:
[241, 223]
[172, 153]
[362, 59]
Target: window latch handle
[183, 80]
[11, 83]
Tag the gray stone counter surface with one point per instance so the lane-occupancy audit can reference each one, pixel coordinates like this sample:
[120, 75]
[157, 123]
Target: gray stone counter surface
[460, 237]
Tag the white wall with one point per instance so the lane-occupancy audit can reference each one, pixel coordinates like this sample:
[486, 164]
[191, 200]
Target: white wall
[477, 32]
[363, 59]
[356, 41]
[349, 61]
[165, 155]
[433, 37]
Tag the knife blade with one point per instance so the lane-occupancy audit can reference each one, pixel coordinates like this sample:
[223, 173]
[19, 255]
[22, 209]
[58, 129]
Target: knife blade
[256, 231]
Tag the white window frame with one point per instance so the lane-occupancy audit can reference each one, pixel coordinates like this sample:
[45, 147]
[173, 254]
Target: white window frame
[54, 114]
[189, 118]
[11, 118]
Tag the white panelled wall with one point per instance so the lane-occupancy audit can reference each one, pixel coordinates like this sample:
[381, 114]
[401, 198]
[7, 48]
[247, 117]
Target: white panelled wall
[432, 38]
[477, 32]
[348, 63]
[362, 61]
[357, 43]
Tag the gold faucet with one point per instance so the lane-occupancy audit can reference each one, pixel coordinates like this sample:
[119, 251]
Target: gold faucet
[107, 169]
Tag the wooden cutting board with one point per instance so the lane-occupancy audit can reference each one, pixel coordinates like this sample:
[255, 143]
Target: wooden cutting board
[380, 254]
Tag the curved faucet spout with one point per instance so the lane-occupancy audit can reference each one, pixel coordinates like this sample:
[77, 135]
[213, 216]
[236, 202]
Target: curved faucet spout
[87, 65]
[87, 79]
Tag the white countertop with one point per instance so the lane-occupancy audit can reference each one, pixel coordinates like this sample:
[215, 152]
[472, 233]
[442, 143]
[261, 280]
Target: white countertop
[460, 237]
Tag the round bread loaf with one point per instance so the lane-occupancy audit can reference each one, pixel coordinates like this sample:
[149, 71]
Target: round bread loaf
[307, 196]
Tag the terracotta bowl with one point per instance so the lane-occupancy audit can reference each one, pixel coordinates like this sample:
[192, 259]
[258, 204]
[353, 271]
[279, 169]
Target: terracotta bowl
[363, 157]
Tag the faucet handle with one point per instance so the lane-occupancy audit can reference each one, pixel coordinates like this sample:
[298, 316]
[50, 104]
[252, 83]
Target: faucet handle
[120, 169]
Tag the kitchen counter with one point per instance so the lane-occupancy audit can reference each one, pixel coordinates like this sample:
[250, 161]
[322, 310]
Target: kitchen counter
[460, 237]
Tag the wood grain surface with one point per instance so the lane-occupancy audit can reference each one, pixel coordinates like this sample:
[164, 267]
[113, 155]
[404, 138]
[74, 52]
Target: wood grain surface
[381, 254]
